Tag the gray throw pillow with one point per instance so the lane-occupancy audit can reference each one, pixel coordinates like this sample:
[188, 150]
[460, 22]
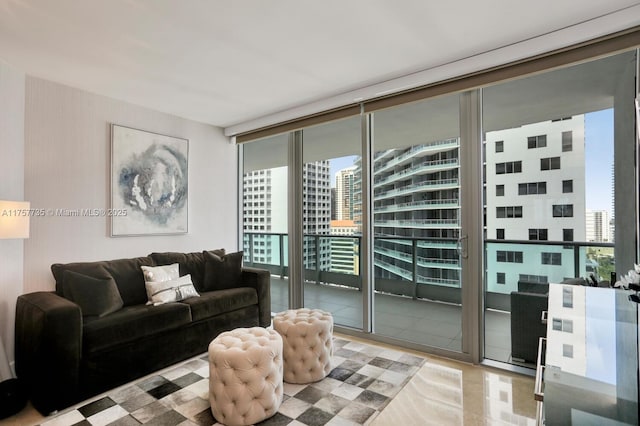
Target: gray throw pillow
[222, 272]
[95, 296]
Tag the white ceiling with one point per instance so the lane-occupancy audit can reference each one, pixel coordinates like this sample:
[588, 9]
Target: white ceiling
[230, 62]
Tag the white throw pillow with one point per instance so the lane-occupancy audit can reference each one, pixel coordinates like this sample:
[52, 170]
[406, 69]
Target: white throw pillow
[170, 291]
[161, 273]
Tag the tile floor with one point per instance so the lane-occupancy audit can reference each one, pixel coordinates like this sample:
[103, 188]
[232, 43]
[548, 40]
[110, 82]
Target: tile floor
[442, 392]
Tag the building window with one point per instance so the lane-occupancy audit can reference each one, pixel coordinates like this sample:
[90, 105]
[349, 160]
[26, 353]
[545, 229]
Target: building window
[532, 188]
[509, 256]
[567, 186]
[509, 167]
[567, 351]
[500, 278]
[551, 258]
[537, 141]
[541, 279]
[562, 210]
[537, 234]
[500, 234]
[567, 141]
[567, 235]
[551, 163]
[499, 146]
[499, 190]
[509, 212]
[567, 297]
[564, 325]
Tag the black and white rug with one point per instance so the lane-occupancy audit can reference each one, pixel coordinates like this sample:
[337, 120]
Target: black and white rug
[364, 379]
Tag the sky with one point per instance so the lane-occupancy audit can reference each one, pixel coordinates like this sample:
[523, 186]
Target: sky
[598, 130]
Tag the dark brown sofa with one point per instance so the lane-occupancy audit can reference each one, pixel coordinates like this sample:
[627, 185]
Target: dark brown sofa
[63, 356]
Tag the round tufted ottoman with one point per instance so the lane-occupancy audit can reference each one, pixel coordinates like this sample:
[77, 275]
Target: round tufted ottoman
[245, 375]
[307, 338]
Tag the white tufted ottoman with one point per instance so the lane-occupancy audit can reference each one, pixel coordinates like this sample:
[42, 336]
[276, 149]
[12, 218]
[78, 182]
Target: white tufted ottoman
[307, 336]
[245, 375]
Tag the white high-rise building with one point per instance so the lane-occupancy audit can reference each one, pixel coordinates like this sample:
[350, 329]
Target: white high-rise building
[598, 226]
[344, 193]
[535, 190]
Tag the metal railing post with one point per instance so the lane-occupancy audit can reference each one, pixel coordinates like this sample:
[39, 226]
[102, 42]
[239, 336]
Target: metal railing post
[414, 259]
[316, 240]
[576, 261]
[282, 268]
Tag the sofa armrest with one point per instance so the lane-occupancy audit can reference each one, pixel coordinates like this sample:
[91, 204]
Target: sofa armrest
[48, 347]
[260, 279]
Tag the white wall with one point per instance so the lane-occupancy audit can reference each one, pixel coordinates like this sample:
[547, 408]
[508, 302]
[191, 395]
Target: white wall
[67, 166]
[12, 83]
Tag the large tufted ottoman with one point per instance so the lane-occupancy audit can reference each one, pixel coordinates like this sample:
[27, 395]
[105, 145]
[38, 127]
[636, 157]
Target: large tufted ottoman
[307, 337]
[245, 375]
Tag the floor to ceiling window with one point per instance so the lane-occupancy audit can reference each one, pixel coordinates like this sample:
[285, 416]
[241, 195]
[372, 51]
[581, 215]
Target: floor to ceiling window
[540, 169]
[555, 145]
[331, 247]
[265, 205]
[416, 206]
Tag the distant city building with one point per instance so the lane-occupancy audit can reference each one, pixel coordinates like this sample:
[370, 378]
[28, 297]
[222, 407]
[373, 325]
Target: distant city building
[344, 251]
[265, 212]
[598, 226]
[334, 206]
[344, 193]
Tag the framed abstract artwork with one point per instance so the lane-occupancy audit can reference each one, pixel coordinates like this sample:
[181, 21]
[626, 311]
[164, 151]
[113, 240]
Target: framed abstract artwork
[149, 183]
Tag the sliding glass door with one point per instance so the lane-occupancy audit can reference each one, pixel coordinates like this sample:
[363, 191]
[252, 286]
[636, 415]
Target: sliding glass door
[265, 205]
[560, 192]
[331, 247]
[438, 223]
[416, 220]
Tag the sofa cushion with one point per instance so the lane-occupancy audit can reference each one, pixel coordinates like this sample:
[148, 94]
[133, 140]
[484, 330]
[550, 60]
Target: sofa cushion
[219, 302]
[126, 272]
[190, 263]
[133, 323]
[95, 296]
[222, 272]
[173, 290]
[161, 273]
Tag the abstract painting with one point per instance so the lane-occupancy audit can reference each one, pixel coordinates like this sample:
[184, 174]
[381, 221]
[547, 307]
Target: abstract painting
[149, 183]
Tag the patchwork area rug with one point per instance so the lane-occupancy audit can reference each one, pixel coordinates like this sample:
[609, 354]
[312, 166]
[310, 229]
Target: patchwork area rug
[363, 381]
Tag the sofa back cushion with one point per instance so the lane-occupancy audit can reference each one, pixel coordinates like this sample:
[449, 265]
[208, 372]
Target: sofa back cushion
[190, 263]
[95, 296]
[127, 274]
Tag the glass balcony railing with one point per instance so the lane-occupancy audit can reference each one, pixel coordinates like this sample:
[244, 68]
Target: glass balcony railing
[430, 268]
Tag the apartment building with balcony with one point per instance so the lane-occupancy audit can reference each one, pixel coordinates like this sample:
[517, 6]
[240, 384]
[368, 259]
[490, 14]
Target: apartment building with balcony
[416, 209]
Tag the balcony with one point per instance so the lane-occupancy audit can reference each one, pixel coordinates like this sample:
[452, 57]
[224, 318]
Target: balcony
[430, 148]
[419, 205]
[421, 168]
[427, 185]
[412, 304]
